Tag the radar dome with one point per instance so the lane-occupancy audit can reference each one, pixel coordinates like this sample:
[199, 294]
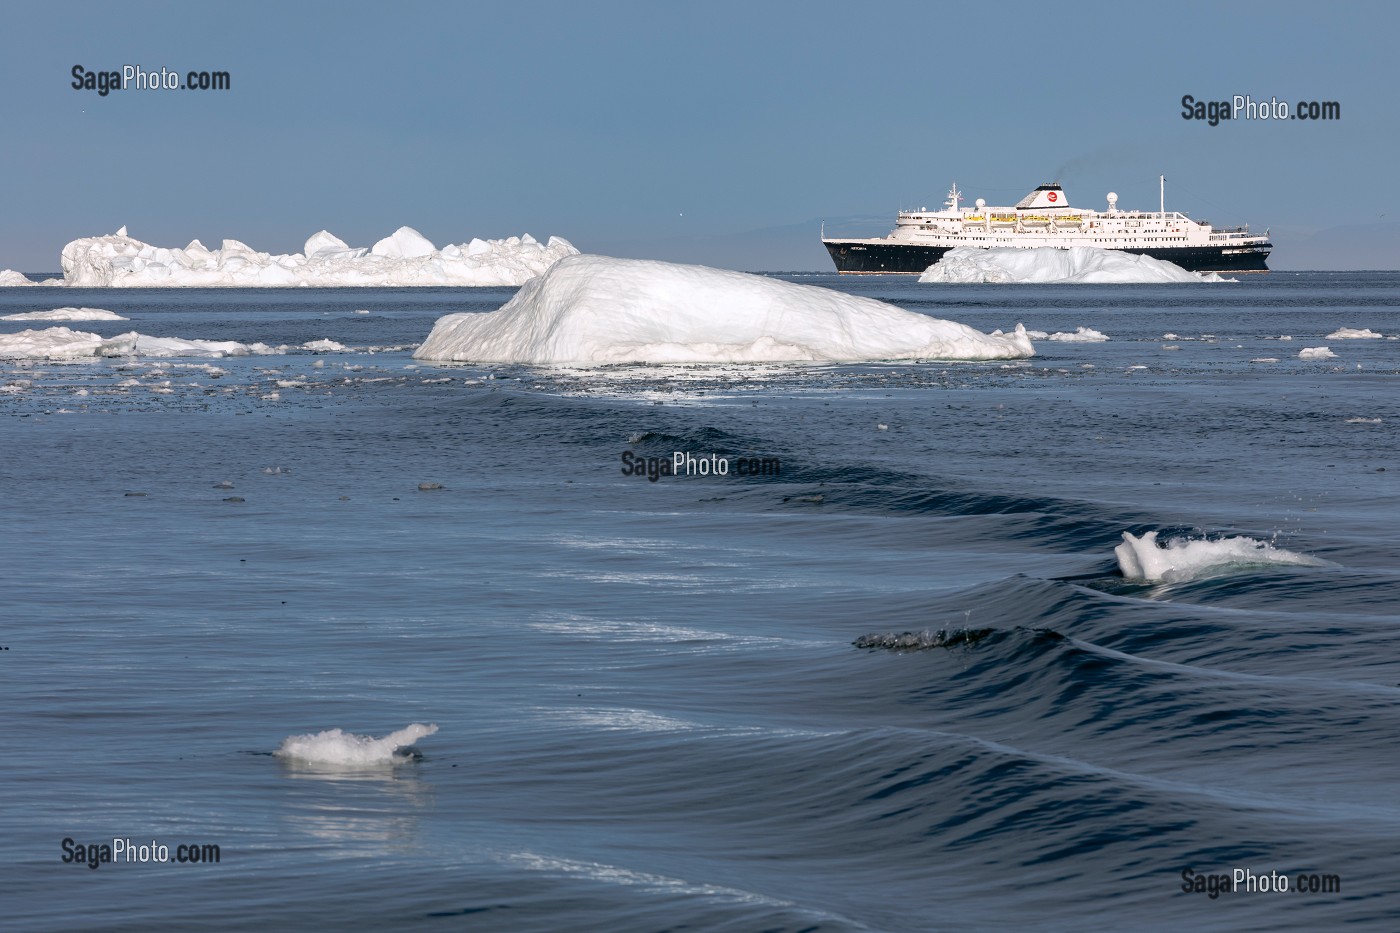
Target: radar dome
[981, 203]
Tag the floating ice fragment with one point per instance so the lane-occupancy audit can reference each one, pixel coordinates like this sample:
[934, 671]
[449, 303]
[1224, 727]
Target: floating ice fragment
[1079, 335]
[594, 310]
[1044, 264]
[1351, 333]
[65, 314]
[134, 344]
[1183, 559]
[347, 750]
[51, 343]
[1316, 353]
[323, 346]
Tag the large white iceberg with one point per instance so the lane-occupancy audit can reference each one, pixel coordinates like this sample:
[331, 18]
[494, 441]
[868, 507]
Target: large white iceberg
[1041, 264]
[594, 310]
[405, 257]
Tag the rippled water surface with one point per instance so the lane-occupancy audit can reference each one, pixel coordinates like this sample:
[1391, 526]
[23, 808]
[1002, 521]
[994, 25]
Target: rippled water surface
[653, 712]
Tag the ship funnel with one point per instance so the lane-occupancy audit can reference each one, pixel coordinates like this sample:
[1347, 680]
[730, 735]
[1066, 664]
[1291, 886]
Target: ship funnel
[1046, 196]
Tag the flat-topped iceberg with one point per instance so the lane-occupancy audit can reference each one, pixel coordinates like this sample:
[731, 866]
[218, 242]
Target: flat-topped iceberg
[63, 343]
[405, 257]
[1084, 265]
[66, 314]
[594, 310]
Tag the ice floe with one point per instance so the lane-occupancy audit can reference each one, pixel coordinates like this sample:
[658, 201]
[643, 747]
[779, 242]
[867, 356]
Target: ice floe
[405, 257]
[1351, 333]
[51, 343]
[1042, 264]
[63, 343]
[594, 310]
[134, 344]
[10, 278]
[1079, 335]
[347, 750]
[1316, 353]
[66, 314]
[1183, 559]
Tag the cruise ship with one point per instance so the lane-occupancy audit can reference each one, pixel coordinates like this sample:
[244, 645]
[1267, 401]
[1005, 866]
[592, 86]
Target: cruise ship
[1045, 218]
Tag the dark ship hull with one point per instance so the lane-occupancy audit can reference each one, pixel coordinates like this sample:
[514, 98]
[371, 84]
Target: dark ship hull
[857, 257]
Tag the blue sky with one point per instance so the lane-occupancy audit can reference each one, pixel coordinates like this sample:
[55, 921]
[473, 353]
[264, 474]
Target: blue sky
[705, 132]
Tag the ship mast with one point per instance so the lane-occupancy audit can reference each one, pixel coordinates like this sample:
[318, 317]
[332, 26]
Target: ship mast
[1162, 203]
[954, 195]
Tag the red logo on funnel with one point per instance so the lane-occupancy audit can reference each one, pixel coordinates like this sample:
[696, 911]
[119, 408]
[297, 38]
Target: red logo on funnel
[1052, 196]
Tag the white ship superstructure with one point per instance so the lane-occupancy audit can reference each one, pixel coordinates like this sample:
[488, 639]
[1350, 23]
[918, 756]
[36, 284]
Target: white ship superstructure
[1044, 218]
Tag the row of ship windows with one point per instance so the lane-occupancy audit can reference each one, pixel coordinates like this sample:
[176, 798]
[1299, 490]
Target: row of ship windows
[1099, 239]
[945, 230]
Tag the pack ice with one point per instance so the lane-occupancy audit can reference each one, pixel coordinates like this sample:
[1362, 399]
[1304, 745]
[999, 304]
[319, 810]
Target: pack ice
[594, 310]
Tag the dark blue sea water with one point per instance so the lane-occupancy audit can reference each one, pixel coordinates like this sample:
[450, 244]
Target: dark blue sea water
[652, 710]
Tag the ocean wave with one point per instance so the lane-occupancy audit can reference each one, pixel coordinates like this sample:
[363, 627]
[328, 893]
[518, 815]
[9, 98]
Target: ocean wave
[923, 641]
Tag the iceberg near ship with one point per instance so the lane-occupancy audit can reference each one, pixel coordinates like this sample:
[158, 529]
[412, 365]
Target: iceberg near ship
[1041, 265]
[593, 311]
